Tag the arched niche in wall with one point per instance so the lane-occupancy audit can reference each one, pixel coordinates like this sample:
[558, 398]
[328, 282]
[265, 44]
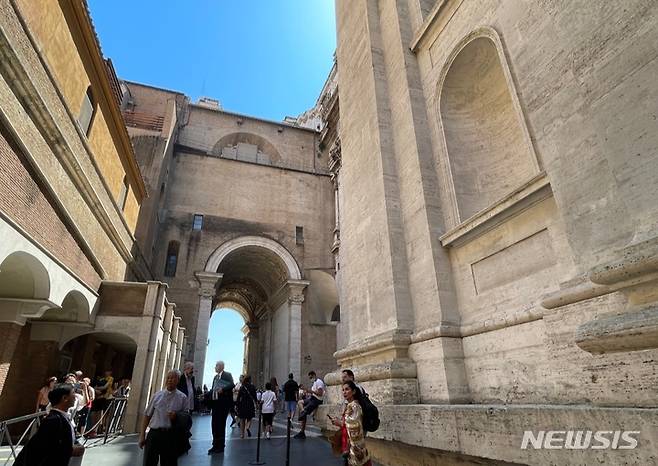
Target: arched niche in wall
[246, 146]
[487, 144]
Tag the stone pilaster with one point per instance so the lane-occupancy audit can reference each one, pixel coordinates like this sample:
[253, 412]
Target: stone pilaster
[171, 359]
[145, 358]
[251, 356]
[208, 282]
[295, 299]
[179, 347]
[165, 346]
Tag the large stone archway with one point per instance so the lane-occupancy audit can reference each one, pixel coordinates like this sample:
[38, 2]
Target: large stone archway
[262, 280]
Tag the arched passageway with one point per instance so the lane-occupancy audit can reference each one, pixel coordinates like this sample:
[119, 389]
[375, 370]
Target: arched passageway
[261, 280]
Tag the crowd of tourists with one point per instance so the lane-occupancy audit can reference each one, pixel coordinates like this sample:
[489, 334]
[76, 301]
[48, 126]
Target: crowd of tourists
[75, 406]
[77, 403]
[240, 401]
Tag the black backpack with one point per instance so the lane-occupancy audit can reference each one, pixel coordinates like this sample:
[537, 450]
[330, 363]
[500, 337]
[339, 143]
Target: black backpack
[370, 414]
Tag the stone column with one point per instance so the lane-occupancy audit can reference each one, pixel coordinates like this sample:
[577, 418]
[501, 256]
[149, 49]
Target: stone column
[184, 352]
[145, 357]
[251, 354]
[179, 346]
[171, 361]
[295, 299]
[208, 282]
[165, 346]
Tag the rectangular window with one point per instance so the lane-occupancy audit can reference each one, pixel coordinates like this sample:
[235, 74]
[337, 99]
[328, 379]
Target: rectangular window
[123, 195]
[86, 112]
[198, 222]
[299, 235]
[172, 259]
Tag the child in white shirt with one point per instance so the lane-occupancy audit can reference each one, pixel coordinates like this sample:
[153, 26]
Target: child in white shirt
[267, 408]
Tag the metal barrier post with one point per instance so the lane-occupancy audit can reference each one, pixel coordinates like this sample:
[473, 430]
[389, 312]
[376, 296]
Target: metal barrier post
[288, 429]
[258, 461]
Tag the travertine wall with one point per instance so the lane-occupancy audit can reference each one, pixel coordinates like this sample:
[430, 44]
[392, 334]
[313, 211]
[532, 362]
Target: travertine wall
[509, 266]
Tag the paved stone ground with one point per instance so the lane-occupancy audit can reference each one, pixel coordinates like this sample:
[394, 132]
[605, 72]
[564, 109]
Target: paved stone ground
[314, 450]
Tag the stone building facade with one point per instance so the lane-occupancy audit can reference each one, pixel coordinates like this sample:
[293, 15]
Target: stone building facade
[498, 196]
[243, 220]
[75, 290]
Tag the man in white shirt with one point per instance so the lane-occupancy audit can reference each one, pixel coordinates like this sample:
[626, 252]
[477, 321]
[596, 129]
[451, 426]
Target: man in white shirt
[311, 404]
[159, 415]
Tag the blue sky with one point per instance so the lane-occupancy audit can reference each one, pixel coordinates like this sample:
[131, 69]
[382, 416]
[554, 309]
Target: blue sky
[226, 343]
[267, 58]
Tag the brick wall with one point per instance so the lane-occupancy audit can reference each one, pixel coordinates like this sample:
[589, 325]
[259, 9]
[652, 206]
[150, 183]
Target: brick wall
[26, 203]
[32, 362]
[9, 334]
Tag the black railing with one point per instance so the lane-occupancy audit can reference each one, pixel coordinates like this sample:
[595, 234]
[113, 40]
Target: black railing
[33, 421]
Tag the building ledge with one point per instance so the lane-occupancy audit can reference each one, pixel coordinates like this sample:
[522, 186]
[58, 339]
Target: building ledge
[530, 193]
[496, 431]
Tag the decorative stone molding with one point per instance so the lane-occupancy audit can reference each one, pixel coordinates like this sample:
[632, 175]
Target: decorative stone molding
[635, 275]
[630, 331]
[296, 299]
[292, 291]
[530, 193]
[208, 282]
[225, 249]
[393, 339]
[398, 369]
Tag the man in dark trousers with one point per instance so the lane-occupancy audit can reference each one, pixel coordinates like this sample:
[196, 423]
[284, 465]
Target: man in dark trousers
[160, 445]
[186, 384]
[222, 399]
[291, 395]
[54, 442]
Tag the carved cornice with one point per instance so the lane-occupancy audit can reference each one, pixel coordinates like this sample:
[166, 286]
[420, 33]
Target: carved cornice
[292, 291]
[208, 282]
[296, 298]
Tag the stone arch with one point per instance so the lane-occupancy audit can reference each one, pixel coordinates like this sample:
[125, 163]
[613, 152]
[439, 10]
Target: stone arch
[485, 138]
[240, 307]
[23, 276]
[231, 144]
[74, 308]
[118, 339]
[216, 258]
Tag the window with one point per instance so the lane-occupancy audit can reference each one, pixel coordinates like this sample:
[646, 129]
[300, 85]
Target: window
[299, 235]
[87, 111]
[172, 259]
[123, 195]
[197, 224]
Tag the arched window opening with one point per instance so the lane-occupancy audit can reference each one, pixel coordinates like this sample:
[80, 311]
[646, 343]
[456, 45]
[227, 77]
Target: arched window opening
[486, 140]
[172, 259]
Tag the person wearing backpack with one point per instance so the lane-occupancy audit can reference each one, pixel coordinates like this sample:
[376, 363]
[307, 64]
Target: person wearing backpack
[370, 411]
[348, 375]
[353, 441]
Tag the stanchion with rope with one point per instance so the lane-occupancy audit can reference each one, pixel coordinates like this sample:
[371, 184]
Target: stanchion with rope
[288, 429]
[258, 461]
